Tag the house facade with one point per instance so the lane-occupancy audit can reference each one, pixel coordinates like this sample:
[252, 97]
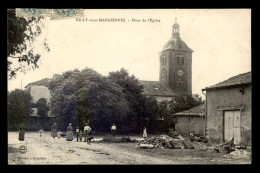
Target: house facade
[39, 89]
[191, 120]
[229, 110]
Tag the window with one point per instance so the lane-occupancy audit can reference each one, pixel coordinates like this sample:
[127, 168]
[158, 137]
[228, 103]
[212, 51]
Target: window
[182, 60]
[180, 84]
[163, 61]
[178, 60]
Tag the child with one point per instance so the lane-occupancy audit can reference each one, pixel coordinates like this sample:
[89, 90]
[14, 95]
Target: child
[80, 136]
[59, 134]
[41, 131]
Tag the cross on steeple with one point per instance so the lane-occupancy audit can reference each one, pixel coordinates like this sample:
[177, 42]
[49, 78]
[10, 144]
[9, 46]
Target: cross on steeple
[175, 28]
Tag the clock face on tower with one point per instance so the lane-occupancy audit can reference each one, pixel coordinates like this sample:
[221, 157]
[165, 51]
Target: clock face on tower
[180, 72]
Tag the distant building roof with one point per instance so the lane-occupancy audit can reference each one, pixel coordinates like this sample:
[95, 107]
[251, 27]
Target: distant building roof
[43, 82]
[156, 88]
[195, 111]
[244, 78]
[55, 76]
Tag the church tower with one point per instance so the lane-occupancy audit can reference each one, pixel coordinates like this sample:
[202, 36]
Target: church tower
[176, 64]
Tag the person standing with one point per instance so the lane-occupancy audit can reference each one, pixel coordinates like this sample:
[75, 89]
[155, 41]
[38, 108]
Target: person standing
[77, 133]
[54, 130]
[69, 136]
[80, 136]
[41, 132]
[145, 133]
[113, 130]
[87, 130]
[21, 132]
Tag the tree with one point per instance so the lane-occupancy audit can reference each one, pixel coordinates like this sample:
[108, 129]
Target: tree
[139, 111]
[21, 34]
[19, 104]
[42, 107]
[81, 96]
[152, 112]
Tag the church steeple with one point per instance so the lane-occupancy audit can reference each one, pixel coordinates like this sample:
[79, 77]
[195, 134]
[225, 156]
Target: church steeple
[175, 28]
[176, 64]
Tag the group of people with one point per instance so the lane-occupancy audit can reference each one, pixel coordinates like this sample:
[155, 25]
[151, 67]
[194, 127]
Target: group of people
[69, 136]
[85, 133]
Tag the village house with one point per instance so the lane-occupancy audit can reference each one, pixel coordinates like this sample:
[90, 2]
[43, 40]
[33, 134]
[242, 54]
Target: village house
[228, 110]
[191, 120]
[39, 89]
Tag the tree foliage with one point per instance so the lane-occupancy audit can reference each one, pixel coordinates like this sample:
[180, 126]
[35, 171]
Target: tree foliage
[142, 109]
[19, 104]
[79, 96]
[42, 107]
[21, 34]
[180, 103]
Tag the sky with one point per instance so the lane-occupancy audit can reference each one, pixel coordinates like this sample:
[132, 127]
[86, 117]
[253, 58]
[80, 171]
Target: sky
[220, 39]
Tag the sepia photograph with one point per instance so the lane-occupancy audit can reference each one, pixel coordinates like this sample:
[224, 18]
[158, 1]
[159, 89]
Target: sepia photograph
[129, 86]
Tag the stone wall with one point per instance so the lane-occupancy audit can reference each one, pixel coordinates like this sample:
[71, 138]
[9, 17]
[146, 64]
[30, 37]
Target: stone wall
[228, 97]
[187, 124]
[32, 123]
[160, 99]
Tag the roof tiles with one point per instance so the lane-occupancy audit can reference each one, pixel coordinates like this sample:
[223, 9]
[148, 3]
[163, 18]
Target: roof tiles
[236, 80]
[155, 88]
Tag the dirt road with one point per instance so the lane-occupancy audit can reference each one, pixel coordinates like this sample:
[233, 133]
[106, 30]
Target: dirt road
[46, 150]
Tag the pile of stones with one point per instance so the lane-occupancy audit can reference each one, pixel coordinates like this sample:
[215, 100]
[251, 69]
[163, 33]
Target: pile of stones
[161, 141]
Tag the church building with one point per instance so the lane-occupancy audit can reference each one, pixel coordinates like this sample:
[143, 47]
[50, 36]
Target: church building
[175, 70]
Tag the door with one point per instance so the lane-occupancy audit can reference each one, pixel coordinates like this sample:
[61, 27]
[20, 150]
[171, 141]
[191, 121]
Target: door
[228, 125]
[232, 126]
[237, 132]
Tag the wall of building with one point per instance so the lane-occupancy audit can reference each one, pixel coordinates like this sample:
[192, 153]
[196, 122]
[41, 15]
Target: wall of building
[160, 99]
[215, 118]
[38, 92]
[171, 67]
[187, 124]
